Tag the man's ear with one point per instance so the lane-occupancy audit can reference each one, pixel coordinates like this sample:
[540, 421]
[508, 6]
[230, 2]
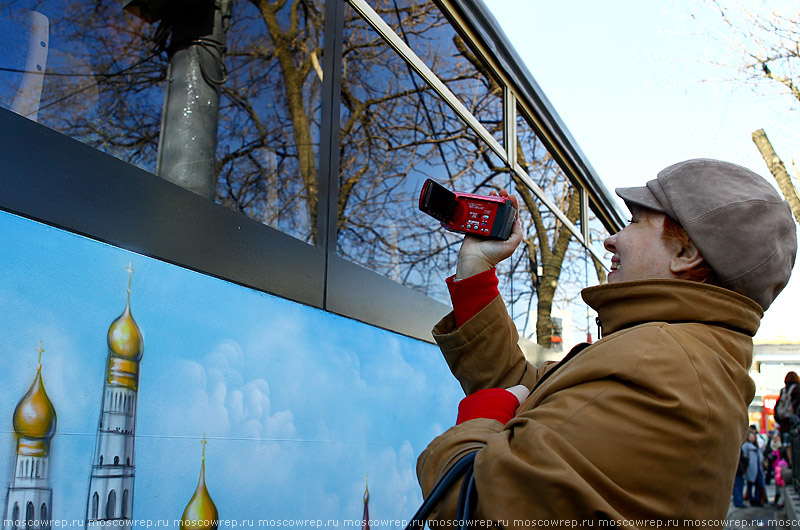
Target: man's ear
[686, 257]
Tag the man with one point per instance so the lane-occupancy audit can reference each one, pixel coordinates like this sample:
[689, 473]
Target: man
[645, 424]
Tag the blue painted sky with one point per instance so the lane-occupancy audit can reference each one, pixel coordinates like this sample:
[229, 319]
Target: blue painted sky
[298, 405]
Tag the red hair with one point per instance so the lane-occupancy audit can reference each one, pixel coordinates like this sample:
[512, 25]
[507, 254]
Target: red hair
[701, 273]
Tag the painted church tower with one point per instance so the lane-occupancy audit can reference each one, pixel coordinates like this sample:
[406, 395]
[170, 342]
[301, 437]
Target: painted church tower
[111, 483]
[30, 498]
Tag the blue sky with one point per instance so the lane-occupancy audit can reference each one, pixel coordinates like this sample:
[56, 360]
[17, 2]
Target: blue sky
[298, 405]
[639, 86]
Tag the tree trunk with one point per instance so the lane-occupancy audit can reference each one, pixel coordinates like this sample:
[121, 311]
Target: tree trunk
[552, 261]
[294, 78]
[778, 170]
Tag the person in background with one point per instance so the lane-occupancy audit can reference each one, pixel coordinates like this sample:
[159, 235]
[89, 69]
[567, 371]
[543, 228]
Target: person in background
[761, 440]
[770, 453]
[786, 407]
[781, 465]
[647, 422]
[753, 475]
[738, 481]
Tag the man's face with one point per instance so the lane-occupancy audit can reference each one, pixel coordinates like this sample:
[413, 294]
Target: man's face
[639, 251]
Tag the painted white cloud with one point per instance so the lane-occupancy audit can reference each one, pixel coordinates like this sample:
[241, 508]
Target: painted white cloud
[214, 396]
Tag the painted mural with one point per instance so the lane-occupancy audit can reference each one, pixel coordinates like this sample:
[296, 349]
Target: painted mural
[134, 390]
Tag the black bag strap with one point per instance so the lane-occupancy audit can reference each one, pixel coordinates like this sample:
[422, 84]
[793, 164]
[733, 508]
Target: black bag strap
[466, 499]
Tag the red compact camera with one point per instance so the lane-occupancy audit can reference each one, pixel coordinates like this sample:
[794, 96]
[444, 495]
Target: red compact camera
[490, 217]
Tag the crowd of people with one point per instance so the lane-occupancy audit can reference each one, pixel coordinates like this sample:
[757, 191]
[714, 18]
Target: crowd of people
[767, 457]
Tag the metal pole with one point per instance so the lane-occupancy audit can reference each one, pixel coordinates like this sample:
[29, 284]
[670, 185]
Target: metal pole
[188, 142]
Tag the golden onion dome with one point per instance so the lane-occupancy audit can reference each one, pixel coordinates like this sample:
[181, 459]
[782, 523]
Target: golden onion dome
[35, 417]
[124, 337]
[201, 512]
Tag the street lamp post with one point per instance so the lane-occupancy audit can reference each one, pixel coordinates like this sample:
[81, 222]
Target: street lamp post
[197, 39]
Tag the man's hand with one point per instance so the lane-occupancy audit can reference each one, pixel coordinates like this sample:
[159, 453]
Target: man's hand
[478, 255]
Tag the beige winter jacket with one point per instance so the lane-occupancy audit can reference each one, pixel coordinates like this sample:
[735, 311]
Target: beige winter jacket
[645, 425]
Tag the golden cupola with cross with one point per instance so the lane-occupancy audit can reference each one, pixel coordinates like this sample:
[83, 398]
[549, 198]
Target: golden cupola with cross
[125, 346]
[35, 417]
[30, 497]
[201, 512]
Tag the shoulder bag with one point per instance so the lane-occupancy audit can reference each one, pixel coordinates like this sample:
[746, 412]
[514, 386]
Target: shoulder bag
[467, 497]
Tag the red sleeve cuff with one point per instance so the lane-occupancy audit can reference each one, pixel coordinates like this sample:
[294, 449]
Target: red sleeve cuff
[472, 294]
[491, 403]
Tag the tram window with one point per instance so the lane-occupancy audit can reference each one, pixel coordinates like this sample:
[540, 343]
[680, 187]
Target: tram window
[396, 132]
[548, 311]
[269, 127]
[432, 36]
[534, 158]
[546, 275]
[96, 73]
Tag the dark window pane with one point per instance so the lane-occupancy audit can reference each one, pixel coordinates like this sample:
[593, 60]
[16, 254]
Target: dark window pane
[395, 133]
[269, 119]
[98, 74]
[84, 69]
[432, 37]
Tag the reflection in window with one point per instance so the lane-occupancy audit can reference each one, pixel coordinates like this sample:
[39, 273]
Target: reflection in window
[568, 319]
[545, 261]
[423, 26]
[101, 75]
[269, 120]
[556, 340]
[395, 133]
[534, 158]
[98, 79]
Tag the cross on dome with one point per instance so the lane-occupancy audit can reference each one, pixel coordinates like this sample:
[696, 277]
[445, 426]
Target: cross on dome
[130, 270]
[40, 350]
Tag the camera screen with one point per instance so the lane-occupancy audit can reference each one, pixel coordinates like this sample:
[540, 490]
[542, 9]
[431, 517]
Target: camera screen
[439, 202]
